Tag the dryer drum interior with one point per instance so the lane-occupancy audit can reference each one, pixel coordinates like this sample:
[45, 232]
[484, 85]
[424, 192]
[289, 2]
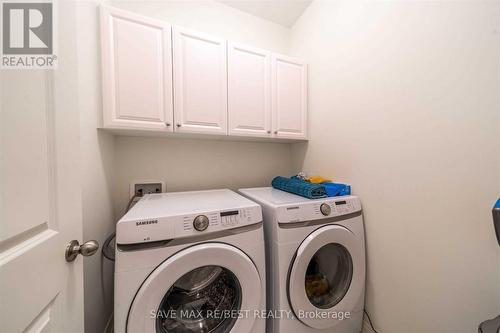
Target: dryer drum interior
[196, 302]
[328, 276]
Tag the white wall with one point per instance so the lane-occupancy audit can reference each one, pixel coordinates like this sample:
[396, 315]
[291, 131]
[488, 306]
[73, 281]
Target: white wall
[202, 164]
[196, 164]
[214, 18]
[404, 105]
[97, 155]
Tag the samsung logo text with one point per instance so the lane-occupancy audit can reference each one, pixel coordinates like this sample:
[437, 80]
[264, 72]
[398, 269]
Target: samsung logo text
[146, 222]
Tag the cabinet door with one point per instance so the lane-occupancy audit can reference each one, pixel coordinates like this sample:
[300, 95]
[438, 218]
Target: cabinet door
[137, 71]
[249, 91]
[289, 98]
[200, 83]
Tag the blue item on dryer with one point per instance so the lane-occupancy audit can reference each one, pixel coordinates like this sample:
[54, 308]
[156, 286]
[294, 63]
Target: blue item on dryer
[299, 187]
[337, 189]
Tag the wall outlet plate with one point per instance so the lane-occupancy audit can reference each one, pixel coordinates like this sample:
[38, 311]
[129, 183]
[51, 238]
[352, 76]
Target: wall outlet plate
[141, 187]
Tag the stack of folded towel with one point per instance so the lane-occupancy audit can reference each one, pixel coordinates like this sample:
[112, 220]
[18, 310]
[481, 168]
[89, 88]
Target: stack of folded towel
[299, 187]
[312, 188]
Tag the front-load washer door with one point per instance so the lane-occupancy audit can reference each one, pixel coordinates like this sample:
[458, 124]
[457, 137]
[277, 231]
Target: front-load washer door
[326, 277]
[211, 287]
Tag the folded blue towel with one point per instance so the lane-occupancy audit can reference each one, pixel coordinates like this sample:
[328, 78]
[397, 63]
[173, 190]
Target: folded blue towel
[299, 187]
[337, 189]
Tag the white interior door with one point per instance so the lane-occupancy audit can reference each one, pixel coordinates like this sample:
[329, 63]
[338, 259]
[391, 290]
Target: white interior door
[40, 195]
[137, 71]
[289, 98]
[249, 91]
[200, 82]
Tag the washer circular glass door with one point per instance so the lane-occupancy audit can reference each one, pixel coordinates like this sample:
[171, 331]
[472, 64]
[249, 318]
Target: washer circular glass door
[199, 289]
[193, 300]
[322, 277]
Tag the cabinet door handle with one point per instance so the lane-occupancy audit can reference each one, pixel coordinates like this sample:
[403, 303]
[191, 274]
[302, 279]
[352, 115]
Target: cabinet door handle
[268, 132]
[167, 124]
[178, 125]
[275, 132]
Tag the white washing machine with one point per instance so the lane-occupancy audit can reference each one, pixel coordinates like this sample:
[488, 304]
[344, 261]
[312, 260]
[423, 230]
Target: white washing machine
[315, 261]
[190, 262]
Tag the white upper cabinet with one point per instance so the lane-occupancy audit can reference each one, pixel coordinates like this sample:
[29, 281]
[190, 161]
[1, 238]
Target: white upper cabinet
[249, 91]
[200, 83]
[170, 79]
[137, 71]
[289, 98]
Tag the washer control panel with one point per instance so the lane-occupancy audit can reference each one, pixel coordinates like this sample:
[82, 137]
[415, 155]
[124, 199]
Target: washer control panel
[168, 216]
[173, 227]
[230, 218]
[220, 220]
[319, 209]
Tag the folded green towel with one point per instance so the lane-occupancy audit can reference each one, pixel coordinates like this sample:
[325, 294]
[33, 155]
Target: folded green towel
[299, 187]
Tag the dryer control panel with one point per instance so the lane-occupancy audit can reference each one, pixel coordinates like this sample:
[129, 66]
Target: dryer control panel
[318, 209]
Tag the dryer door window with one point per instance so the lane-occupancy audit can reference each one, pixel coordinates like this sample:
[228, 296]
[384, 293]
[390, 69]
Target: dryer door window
[199, 289]
[326, 277]
[193, 301]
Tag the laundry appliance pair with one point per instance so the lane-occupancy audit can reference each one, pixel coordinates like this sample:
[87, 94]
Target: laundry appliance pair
[196, 262]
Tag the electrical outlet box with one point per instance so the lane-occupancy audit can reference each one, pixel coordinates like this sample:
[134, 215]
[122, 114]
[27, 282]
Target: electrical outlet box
[139, 188]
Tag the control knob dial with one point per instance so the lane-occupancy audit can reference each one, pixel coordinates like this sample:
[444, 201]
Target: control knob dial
[325, 209]
[200, 222]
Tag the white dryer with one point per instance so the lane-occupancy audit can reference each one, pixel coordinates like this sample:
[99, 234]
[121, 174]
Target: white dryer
[315, 261]
[190, 262]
